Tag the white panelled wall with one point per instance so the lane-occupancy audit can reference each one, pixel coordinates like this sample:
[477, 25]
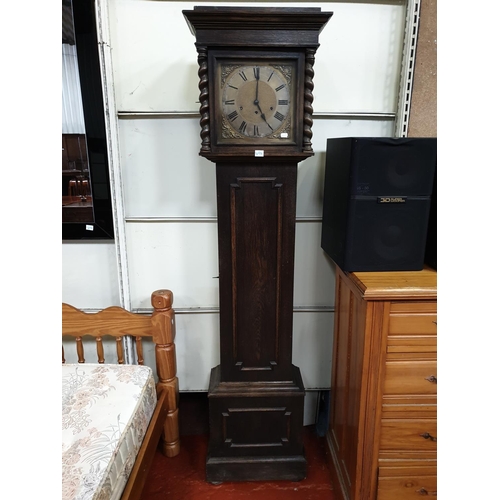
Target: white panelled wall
[168, 190]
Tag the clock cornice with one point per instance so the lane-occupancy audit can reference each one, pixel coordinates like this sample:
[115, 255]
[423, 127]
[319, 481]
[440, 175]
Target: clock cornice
[275, 26]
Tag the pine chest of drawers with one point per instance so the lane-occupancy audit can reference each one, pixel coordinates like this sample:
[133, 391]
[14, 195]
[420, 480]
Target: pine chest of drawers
[382, 437]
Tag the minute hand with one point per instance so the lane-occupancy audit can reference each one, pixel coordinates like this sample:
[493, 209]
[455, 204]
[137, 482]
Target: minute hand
[256, 72]
[262, 115]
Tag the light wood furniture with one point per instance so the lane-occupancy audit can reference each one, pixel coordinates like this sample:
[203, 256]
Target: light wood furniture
[382, 440]
[160, 326]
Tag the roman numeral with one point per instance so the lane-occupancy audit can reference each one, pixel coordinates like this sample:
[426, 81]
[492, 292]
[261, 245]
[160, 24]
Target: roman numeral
[243, 126]
[282, 102]
[231, 101]
[270, 76]
[255, 130]
[256, 72]
[235, 88]
[232, 116]
[279, 116]
[279, 88]
[242, 74]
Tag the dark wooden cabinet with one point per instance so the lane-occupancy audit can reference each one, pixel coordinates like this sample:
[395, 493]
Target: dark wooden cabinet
[256, 394]
[255, 69]
[382, 435]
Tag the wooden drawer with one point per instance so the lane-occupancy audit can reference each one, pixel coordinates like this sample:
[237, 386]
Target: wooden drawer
[409, 406]
[410, 377]
[413, 318]
[410, 345]
[406, 487]
[419, 434]
[408, 323]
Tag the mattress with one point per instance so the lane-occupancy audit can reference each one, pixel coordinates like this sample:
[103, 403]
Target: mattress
[106, 410]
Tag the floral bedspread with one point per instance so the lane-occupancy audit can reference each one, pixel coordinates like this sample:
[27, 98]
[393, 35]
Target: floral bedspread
[106, 410]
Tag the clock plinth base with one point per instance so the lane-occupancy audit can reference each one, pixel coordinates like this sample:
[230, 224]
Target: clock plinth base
[256, 430]
[220, 470]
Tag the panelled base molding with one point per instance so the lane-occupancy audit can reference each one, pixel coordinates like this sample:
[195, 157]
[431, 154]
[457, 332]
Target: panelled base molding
[256, 469]
[256, 430]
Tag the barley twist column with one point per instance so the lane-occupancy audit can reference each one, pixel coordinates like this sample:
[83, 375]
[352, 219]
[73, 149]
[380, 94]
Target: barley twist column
[308, 100]
[204, 106]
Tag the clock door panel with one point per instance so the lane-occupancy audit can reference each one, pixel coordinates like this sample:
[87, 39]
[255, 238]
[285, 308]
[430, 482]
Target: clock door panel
[246, 426]
[256, 245]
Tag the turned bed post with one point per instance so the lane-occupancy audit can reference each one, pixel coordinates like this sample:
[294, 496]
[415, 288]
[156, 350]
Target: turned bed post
[163, 323]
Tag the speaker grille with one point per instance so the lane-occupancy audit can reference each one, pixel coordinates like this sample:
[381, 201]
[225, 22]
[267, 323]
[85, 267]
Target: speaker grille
[395, 167]
[386, 236]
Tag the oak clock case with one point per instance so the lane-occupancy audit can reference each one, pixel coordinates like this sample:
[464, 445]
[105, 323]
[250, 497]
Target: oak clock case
[256, 100]
[255, 70]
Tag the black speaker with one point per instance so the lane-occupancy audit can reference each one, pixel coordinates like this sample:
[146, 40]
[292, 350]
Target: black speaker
[377, 198]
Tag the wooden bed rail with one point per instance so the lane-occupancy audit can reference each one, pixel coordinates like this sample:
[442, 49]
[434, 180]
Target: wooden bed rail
[118, 322]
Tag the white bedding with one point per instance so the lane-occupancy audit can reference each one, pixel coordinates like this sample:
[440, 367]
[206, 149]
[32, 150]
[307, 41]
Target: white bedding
[106, 410]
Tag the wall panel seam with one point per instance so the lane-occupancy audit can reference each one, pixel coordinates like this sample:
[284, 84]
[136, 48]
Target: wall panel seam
[215, 310]
[213, 219]
[316, 115]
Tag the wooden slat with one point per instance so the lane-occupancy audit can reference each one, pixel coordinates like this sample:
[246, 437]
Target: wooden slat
[119, 350]
[138, 349]
[79, 350]
[113, 321]
[100, 350]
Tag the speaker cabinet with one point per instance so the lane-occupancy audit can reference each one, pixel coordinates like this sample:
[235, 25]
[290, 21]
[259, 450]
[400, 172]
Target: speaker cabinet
[431, 245]
[377, 199]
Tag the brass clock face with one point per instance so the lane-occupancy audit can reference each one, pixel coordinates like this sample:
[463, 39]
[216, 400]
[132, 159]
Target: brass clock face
[256, 102]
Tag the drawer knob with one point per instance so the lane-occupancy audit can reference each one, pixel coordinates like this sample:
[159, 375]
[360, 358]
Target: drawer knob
[426, 435]
[433, 379]
[423, 491]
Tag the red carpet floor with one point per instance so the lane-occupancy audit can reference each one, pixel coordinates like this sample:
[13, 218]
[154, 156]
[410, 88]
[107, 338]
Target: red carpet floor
[183, 477]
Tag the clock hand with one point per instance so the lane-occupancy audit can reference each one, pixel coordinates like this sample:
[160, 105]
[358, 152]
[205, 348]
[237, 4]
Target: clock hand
[257, 77]
[262, 115]
[256, 72]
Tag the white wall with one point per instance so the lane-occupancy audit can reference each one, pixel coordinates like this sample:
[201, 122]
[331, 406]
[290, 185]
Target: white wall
[90, 274]
[166, 182]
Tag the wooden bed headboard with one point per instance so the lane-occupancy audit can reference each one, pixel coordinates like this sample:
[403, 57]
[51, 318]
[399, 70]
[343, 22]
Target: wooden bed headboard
[118, 323]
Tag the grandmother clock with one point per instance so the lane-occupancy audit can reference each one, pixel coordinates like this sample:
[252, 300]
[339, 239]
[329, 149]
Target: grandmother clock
[256, 72]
